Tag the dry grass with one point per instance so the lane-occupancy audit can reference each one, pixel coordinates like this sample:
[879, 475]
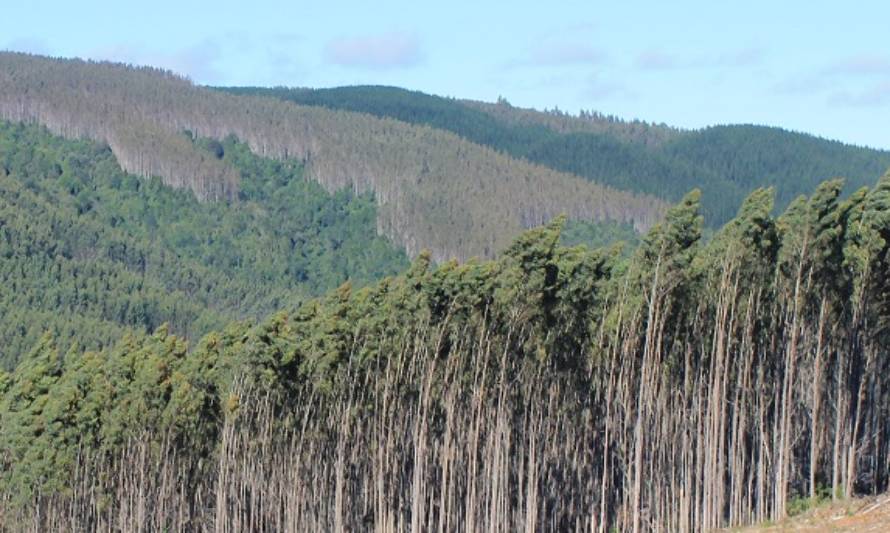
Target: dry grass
[859, 515]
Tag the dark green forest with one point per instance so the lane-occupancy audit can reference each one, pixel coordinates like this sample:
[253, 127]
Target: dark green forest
[89, 251]
[725, 162]
[689, 386]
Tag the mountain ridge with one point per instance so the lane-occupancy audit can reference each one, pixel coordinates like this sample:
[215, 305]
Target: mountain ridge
[725, 161]
[435, 190]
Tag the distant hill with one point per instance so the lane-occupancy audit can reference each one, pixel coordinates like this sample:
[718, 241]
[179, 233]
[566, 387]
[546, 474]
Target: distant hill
[726, 162]
[434, 189]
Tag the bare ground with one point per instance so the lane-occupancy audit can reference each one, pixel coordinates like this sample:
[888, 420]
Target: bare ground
[861, 515]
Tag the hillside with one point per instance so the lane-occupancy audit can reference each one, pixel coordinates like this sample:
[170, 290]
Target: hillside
[88, 251]
[216, 314]
[725, 162]
[692, 386]
[434, 189]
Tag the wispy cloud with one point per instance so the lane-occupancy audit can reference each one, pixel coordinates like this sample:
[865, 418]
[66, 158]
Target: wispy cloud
[744, 57]
[658, 59]
[575, 29]
[875, 96]
[860, 65]
[565, 54]
[286, 39]
[385, 51]
[197, 61]
[599, 89]
[284, 68]
[592, 87]
[802, 84]
[844, 82]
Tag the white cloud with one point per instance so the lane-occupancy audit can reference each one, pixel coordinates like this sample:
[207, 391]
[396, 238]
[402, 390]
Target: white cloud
[600, 89]
[843, 81]
[875, 96]
[565, 54]
[657, 59]
[860, 65]
[385, 51]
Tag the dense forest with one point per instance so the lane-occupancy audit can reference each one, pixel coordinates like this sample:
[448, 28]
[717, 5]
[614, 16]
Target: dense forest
[725, 162]
[434, 190]
[689, 386]
[88, 251]
[370, 309]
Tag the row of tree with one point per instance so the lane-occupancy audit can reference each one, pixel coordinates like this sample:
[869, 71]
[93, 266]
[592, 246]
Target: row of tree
[689, 387]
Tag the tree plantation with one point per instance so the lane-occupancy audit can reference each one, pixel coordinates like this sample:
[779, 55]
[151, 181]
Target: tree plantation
[371, 309]
[681, 386]
[434, 190]
[88, 251]
[725, 162]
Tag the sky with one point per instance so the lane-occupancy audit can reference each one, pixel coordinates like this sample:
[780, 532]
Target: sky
[814, 66]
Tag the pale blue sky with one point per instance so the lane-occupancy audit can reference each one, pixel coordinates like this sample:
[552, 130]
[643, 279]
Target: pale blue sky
[815, 66]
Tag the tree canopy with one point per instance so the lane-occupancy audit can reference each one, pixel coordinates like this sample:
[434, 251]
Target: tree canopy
[89, 251]
[688, 386]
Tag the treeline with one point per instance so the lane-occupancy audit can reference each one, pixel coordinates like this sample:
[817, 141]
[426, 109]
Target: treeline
[725, 162]
[688, 387]
[88, 251]
[434, 189]
[586, 121]
[503, 126]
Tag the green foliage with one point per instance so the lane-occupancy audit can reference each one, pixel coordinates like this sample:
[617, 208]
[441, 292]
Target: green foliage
[153, 385]
[669, 248]
[801, 504]
[552, 363]
[866, 251]
[89, 251]
[28, 424]
[598, 234]
[753, 231]
[561, 322]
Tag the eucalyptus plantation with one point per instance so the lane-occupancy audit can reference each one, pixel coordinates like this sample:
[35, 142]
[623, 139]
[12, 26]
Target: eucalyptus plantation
[689, 386]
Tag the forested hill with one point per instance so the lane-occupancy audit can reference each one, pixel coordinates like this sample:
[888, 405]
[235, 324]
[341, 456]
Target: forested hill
[88, 252]
[433, 188]
[694, 386]
[725, 162]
